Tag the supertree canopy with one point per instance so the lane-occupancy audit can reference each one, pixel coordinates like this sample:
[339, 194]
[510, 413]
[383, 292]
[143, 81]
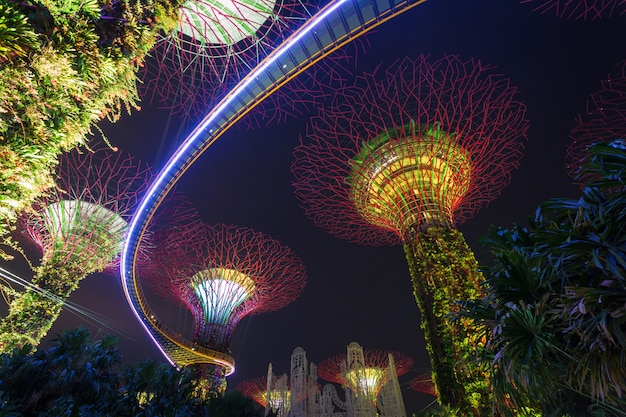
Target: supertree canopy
[222, 274]
[79, 227]
[65, 66]
[579, 9]
[366, 376]
[256, 389]
[603, 121]
[424, 384]
[215, 43]
[405, 156]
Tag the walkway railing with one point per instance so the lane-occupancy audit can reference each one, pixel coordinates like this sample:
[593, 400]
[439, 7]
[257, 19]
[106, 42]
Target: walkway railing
[335, 25]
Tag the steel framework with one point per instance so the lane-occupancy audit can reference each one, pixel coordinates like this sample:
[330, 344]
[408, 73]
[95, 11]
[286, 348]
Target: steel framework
[579, 9]
[337, 24]
[300, 395]
[221, 274]
[79, 227]
[604, 121]
[366, 373]
[424, 384]
[403, 157]
[215, 44]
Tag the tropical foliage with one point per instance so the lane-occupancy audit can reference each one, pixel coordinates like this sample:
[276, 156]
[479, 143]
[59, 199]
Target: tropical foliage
[64, 66]
[78, 376]
[556, 301]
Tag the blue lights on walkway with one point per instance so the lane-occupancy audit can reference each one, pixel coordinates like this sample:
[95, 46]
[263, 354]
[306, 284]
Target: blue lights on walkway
[332, 27]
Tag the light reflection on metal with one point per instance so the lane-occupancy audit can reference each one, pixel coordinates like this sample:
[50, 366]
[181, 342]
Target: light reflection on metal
[335, 25]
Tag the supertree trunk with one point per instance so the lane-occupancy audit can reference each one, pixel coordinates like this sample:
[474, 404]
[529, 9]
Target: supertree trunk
[444, 271]
[79, 227]
[33, 312]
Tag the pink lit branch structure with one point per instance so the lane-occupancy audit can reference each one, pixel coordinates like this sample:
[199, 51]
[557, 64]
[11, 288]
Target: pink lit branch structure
[579, 9]
[367, 375]
[404, 156]
[255, 389]
[215, 44]
[603, 121]
[79, 228]
[423, 384]
[222, 274]
[277, 398]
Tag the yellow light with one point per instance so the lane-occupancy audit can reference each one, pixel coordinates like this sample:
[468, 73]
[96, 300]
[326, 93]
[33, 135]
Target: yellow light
[366, 381]
[278, 399]
[403, 182]
[221, 291]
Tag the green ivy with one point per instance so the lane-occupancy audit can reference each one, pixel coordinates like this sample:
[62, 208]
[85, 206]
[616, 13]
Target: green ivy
[84, 70]
[18, 37]
[444, 271]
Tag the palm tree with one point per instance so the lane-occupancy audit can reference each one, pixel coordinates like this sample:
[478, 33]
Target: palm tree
[152, 389]
[74, 373]
[556, 301]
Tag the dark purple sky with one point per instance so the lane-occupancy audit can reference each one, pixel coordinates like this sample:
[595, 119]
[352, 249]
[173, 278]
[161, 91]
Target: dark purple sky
[358, 293]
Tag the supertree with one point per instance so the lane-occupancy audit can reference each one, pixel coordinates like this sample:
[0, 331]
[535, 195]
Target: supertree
[222, 274]
[78, 227]
[404, 158]
[214, 44]
[257, 390]
[366, 375]
[604, 121]
[579, 9]
[424, 384]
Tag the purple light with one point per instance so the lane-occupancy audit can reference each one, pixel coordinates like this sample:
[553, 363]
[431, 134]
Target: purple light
[304, 30]
[193, 136]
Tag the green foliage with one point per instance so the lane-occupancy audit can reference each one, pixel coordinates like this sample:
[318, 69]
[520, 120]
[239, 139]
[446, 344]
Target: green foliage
[159, 390]
[17, 35]
[85, 69]
[33, 312]
[556, 300]
[77, 376]
[73, 372]
[235, 404]
[444, 271]
[439, 411]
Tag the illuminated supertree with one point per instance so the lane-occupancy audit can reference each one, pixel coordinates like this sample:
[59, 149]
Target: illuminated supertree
[222, 274]
[79, 227]
[214, 44]
[424, 384]
[364, 372]
[603, 121]
[278, 400]
[255, 389]
[579, 9]
[404, 158]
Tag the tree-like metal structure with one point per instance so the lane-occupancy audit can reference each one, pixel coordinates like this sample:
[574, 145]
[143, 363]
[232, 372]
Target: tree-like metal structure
[604, 121]
[222, 274]
[276, 398]
[403, 157]
[79, 227]
[424, 384]
[215, 43]
[579, 9]
[365, 374]
[255, 389]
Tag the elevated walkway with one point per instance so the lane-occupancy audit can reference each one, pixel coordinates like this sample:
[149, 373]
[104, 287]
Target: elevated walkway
[332, 27]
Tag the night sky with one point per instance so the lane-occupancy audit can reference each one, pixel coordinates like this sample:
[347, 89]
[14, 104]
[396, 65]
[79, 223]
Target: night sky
[358, 293]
